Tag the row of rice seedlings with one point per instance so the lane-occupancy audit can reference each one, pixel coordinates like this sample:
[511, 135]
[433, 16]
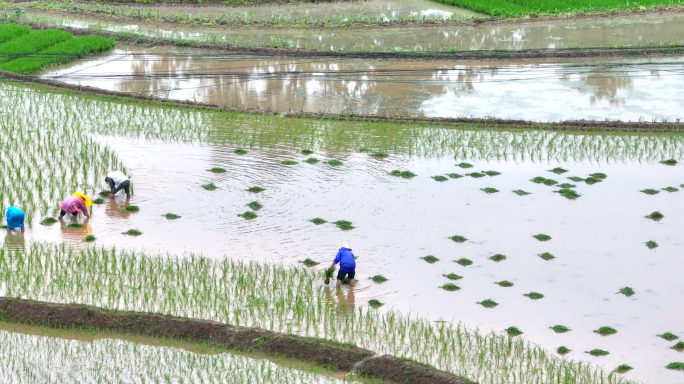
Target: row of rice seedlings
[12, 31]
[116, 117]
[292, 301]
[31, 43]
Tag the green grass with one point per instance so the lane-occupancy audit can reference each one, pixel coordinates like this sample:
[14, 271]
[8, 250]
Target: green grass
[31, 43]
[563, 350]
[623, 368]
[651, 244]
[255, 189]
[558, 170]
[498, 257]
[255, 205]
[335, 163]
[99, 200]
[171, 216]
[598, 352]
[318, 221]
[567, 185]
[240, 151]
[650, 191]
[288, 162]
[656, 216]
[520, 192]
[669, 336]
[404, 174]
[504, 283]
[133, 232]
[669, 162]
[248, 215]
[310, 263]
[560, 328]
[489, 303]
[12, 31]
[217, 170]
[476, 175]
[344, 225]
[605, 331]
[670, 189]
[516, 8]
[89, 238]
[534, 295]
[375, 303]
[450, 287]
[489, 190]
[454, 175]
[677, 366]
[568, 193]
[379, 278]
[464, 165]
[547, 256]
[131, 208]
[453, 276]
[542, 237]
[464, 262]
[627, 291]
[210, 187]
[74, 226]
[430, 259]
[513, 331]
[440, 178]
[458, 239]
[491, 173]
[311, 160]
[48, 221]
[307, 152]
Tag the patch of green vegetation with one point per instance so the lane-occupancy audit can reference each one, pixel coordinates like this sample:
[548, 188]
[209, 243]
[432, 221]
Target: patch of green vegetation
[563, 350]
[670, 189]
[598, 352]
[568, 193]
[454, 175]
[567, 185]
[513, 331]
[542, 237]
[650, 191]
[489, 190]
[310, 263]
[669, 162]
[450, 287]
[604, 331]
[476, 175]
[288, 162]
[404, 174]
[458, 239]
[307, 152]
[347, 281]
[627, 291]
[104, 193]
[679, 346]
[534, 295]
[48, 221]
[3, 226]
[550, 182]
[651, 244]
[491, 173]
[255, 189]
[592, 180]
[344, 225]
[248, 215]
[464, 165]
[599, 176]
[520, 192]
[133, 232]
[440, 178]
[560, 328]
[99, 200]
[677, 366]
[623, 368]
[453, 276]
[89, 238]
[329, 273]
[379, 154]
[488, 303]
[335, 163]
[240, 151]
[318, 221]
[74, 226]
[656, 216]
[375, 303]
[504, 283]
[547, 256]
[217, 170]
[171, 216]
[379, 278]
[131, 208]
[464, 262]
[558, 170]
[498, 257]
[255, 205]
[210, 187]
[538, 180]
[669, 336]
[430, 259]
[311, 160]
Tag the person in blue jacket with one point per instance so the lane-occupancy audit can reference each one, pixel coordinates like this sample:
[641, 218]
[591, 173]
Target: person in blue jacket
[15, 218]
[347, 265]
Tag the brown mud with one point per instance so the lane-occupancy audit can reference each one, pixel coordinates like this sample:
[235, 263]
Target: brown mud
[319, 351]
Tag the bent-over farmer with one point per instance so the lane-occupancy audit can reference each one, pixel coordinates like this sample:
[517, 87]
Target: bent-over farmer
[15, 218]
[75, 203]
[118, 181]
[347, 265]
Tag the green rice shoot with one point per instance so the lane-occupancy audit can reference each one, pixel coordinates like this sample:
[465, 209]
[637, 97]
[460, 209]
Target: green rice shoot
[255, 189]
[513, 331]
[255, 205]
[464, 262]
[318, 221]
[606, 331]
[379, 278]
[489, 190]
[440, 178]
[450, 287]
[217, 170]
[430, 259]
[534, 295]
[498, 257]
[248, 215]
[453, 276]
[89, 238]
[210, 187]
[520, 192]
[504, 283]
[489, 303]
[560, 328]
[458, 239]
[171, 216]
[542, 237]
[547, 256]
[133, 232]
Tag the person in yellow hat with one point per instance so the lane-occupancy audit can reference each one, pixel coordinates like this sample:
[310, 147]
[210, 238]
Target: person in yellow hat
[75, 203]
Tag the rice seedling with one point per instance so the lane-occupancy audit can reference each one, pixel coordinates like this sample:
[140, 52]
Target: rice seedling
[309, 263]
[450, 287]
[379, 278]
[568, 193]
[576, 179]
[464, 165]
[679, 346]
[650, 191]
[560, 328]
[404, 174]
[498, 257]
[379, 155]
[605, 331]
[504, 283]
[89, 238]
[133, 232]
[567, 185]
[255, 205]
[669, 336]
[318, 221]
[32, 42]
[464, 262]
[550, 182]
[563, 350]
[489, 190]
[288, 162]
[48, 221]
[328, 274]
[346, 281]
[12, 31]
[311, 160]
[440, 178]
[210, 187]
[454, 175]
[335, 163]
[513, 331]
[171, 216]
[491, 173]
[255, 189]
[344, 225]
[598, 352]
[99, 200]
[430, 259]
[240, 151]
[670, 189]
[651, 244]
[248, 215]
[3, 226]
[538, 180]
[534, 295]
[131, 208]
[453, 276]
[307, 152]
[105, 193]
[676, 366]
[542, 237]
[592, 180]
[669, 162]
[627, 291]
[74, 226]
[599, 176]
[547, 256]
[558, 170]
[520, 192]
[375, 303]
[217, 170]
[476, 175]
[458, 239]
[488, 303]
[623, 368]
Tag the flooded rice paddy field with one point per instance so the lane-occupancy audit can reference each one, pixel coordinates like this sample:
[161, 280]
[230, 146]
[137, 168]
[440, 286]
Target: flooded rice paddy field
[598, 240]
[627, 90]
[556, 34]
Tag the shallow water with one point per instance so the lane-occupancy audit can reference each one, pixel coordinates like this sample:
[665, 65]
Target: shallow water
[627, 90]
[598, 239]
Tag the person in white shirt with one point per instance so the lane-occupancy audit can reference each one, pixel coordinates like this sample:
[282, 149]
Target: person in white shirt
[118, 181]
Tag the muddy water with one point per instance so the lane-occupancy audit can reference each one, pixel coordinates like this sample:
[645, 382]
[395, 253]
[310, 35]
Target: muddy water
[598, 239]
[558, 34]
[616, 90]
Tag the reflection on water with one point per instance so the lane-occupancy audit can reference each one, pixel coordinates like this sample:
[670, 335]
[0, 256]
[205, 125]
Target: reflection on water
[618, 90]
[14, 240]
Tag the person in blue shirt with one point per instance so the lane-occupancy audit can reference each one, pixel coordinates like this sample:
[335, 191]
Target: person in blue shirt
[15, 218]
[347, 265]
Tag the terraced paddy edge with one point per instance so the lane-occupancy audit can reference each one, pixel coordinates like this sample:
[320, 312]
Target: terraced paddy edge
[578, 126]
[282, 47]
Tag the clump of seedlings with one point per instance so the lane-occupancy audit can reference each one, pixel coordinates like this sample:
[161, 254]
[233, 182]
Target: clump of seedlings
[670, 189]
[598, 352]
[311, 160]
[99, 200]
[669, 162]
[655, 216]
[240, 151]
[375, 303]
[450, 287]
[599, 176]
[346, 281]
[568, 193]
[310, 263]
[335, 163]
[74, 226]
[318, 221]
[623, 368]
[513, 331]
[567, 185]
[307, 152]
[328, 274]
[538, 180]
[255, 205]
[133, 232]
[560, 328]
[534, 295]
[344, 225]
[217, 170]
[491, 173]
[498, 257]
[430, 259]
[464, 262]
[288, 162]
[171, 216]
[48, 221]
[255, 189]
[650, 191]
[381, 155]
[489, 190]
[488, 303]
[679, 347]
[210, 187]
[627, 291]
[563, 350]
[440, 178]
[89, 238]
[576, 179]
[677, 366]
[379, 278]
[458, 239]
[505, 284]
[520, 192]
[453, 276]
[404, 174]
[542, 237]
[591, 180]
[248, 215]
[558, 170]
[651, 244]
[104, 193]
[476, 175]
[605, 331]
[547, 256]
[669, 336]
[454, 175]
[464, 165]
[131, 208]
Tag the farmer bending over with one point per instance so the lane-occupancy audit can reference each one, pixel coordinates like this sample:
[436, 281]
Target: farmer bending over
[15, 218]
[74, 203]
[347, 265]
[118, 181]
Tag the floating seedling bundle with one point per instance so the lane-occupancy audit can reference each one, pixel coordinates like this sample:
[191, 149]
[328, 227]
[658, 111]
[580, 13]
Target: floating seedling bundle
[404, 174]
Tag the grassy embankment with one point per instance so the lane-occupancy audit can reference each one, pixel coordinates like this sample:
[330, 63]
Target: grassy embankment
[514, 8]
